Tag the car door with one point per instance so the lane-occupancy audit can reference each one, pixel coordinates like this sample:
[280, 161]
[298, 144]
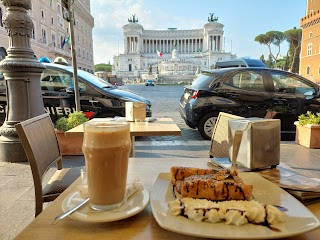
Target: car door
[57, 92]
[292, 95]
[247, 92]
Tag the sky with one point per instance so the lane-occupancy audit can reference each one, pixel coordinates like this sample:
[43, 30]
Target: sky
[242, 20]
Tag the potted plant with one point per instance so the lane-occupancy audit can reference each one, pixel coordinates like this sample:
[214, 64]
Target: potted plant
[68, 145]
[308, 130]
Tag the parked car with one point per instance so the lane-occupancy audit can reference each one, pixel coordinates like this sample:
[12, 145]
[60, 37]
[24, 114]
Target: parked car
[149, 82]
[239, 62]
[248, 92]
[98, 98]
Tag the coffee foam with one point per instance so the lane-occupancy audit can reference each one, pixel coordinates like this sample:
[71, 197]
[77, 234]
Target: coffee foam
[102, 135]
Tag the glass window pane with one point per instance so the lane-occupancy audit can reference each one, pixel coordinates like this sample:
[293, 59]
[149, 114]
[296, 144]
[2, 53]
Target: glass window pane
[248, 80]
[287, 83]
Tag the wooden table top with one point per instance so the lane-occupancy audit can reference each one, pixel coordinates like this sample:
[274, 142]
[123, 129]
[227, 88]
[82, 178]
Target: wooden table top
[160, 127]
[140, 226]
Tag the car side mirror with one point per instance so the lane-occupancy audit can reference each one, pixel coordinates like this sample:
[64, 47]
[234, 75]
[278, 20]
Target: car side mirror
[71, 90]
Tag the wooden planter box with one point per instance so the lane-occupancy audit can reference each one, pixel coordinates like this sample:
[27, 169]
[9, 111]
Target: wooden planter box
[308, 135]
[69, 145]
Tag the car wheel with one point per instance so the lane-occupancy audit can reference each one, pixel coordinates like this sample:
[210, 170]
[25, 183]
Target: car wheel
[206, 125]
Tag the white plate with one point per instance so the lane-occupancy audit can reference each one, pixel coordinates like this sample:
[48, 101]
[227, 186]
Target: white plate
[86, 214]
[298, 218]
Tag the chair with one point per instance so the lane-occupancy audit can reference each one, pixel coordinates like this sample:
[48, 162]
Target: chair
[219, 140]
[40, 143]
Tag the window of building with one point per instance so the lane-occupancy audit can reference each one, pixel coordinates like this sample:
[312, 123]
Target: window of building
[309, 49]
[44, 36]
[50, 3]
[52, 21]
[59, 9]
[42, 13]
[319, 69]
[53, 39]
[61, 41]
[308, 70]
[60, 21]
[1, 24]
[310, 35]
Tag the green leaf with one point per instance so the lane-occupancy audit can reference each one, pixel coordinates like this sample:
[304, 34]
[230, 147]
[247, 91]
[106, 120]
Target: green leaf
[309, 118]
[74, 119]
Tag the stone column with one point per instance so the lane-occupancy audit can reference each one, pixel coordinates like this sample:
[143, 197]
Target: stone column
[21, 72]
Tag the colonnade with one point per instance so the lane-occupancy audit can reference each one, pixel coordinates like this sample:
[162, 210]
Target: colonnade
[214, 43]
[132, 44]
[167, 45]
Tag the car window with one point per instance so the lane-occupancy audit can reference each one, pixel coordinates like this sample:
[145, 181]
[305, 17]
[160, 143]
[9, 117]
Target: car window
[54, 80]
[287, 83]
[204, 80]
[248, 80]
[93, 79]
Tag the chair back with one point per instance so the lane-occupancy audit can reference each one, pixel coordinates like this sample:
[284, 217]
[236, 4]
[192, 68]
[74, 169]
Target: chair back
[219, 140]
[39, 141]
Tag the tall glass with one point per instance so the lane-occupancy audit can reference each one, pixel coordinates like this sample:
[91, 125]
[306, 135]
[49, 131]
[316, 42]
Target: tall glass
[106, 147]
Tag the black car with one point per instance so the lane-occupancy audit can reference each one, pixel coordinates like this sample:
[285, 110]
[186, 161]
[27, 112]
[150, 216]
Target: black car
[98, 98]
[149, 82]
[248, 92]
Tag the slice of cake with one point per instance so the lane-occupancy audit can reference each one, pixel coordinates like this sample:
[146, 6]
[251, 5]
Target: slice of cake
[210, 184]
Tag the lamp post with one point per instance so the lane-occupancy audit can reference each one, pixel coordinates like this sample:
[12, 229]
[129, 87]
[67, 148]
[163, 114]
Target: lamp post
[74, 58]
[22, 73]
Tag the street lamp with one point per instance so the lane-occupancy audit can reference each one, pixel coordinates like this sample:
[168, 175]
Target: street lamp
[22, 73]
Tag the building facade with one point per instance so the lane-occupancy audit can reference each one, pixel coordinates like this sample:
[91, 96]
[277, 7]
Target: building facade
[310, 44]
[169, 52]
[51, 33]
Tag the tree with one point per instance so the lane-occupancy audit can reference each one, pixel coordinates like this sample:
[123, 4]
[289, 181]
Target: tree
[270, 62]
[103, 67]
[262, 59]
[269, 38]
[294, 37]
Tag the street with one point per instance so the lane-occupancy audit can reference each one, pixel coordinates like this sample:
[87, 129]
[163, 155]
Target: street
[165, 103]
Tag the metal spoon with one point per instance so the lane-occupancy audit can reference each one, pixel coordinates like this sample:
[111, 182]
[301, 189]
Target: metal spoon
[71, 210]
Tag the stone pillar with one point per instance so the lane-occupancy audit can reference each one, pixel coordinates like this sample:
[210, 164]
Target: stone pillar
[21, 72]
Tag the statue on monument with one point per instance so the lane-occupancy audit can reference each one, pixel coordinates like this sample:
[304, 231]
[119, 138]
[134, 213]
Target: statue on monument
[211, 18]
[133, 20]
[150, 69]
[198, 70]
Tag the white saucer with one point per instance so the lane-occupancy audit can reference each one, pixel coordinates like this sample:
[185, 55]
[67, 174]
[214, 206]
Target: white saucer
[86, 214]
